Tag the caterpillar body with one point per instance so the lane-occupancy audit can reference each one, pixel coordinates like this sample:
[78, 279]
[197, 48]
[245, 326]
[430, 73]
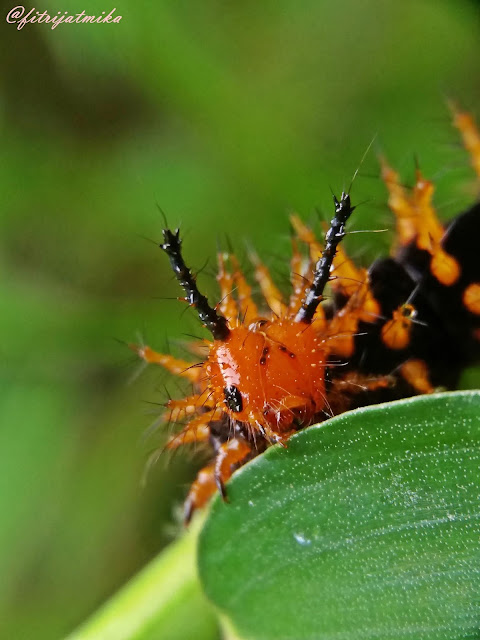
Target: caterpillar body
[407, 325]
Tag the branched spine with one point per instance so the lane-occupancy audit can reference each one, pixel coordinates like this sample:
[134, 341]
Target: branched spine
[215, 323]
[333, 237]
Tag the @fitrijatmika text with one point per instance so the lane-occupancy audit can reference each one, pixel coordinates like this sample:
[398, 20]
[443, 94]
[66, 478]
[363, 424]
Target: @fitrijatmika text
[20, 16]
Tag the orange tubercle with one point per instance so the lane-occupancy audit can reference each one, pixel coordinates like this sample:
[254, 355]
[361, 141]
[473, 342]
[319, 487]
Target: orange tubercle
[396, 332]
[465, 123]
[471, 298]
[415, 373]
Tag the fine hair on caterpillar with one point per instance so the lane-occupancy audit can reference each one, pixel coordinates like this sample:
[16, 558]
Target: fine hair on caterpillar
[346, 336]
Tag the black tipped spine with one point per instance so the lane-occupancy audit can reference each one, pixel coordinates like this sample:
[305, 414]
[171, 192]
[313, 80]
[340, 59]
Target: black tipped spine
[333, 237]
[214, 322]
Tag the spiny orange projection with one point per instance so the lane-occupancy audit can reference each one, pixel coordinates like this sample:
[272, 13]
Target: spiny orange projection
[347, 336]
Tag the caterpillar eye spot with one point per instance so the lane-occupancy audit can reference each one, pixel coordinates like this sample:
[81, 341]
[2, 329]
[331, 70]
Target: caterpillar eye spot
[233, 398]
[408, 311]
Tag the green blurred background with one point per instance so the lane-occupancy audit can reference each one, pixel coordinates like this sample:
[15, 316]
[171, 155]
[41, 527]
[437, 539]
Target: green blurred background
[227, 115]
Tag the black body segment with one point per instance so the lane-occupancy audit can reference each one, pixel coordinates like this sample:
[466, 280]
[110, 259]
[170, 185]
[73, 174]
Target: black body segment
[445, 334]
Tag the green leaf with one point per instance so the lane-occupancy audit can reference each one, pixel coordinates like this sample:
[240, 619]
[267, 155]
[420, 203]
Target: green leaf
[366, 526]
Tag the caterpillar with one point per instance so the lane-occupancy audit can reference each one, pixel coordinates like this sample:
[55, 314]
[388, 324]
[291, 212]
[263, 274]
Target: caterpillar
[347, 336]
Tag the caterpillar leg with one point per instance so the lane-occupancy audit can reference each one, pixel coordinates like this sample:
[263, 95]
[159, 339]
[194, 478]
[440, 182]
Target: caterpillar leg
[354, 382]
[197, 430]
[215, 475]
[189, 370]
[345, 389]
[203, 487]
[178, 410]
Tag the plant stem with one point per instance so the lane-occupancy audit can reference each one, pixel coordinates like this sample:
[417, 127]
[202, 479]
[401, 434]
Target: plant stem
[164, 600]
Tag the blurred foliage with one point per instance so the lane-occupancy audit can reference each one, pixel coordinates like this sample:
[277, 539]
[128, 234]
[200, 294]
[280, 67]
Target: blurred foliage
[226, 115]
[164, 600]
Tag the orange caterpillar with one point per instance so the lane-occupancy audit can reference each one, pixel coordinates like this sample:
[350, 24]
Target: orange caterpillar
[407, 325]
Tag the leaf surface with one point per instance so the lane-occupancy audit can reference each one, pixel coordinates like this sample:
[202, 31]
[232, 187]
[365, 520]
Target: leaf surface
[366, 526]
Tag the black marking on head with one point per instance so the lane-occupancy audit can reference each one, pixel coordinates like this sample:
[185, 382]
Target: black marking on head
[233, 398]
[284, 349]
[263, 359]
